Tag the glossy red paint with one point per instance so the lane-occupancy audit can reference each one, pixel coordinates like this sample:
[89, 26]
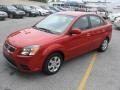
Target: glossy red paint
[69, 45]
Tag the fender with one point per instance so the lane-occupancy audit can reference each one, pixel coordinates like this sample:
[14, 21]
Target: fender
[53, 48]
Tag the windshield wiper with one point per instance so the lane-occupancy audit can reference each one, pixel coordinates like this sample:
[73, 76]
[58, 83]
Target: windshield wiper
[34, 27]
[43, 29]
[46, 30]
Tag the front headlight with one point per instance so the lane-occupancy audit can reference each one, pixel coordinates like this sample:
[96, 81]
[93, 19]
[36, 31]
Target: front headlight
[30, 50]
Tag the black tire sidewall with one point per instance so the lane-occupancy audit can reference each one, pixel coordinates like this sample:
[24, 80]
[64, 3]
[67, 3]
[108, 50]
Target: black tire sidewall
[27, 14]
[11, 16]
[40, 13]
[45, 67]
[100, 48]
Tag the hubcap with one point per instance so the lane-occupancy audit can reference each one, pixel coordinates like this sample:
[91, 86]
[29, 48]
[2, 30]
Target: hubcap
[105, 44]
[54, 64]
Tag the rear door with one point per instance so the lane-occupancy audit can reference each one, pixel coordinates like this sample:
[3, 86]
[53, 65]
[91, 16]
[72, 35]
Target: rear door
[98, 30]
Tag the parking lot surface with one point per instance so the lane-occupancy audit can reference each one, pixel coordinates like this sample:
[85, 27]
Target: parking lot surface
[104, 75]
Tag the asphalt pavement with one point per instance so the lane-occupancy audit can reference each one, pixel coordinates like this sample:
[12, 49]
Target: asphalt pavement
[103, 74]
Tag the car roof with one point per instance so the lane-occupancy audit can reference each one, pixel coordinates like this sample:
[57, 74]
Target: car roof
[75, 13]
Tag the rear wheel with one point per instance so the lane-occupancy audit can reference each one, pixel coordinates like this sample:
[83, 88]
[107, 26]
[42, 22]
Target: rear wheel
[53, 63]
[2, 18]
[11, 16]
[27, 14]
[103, 47]
[116, 27]
[40, 13]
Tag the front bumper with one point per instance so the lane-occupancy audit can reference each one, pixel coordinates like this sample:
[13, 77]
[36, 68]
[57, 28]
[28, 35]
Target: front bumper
[24, 63]
[3, 16]
[19, 15]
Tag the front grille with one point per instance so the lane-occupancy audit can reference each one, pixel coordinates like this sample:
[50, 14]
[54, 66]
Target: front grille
[9, 47]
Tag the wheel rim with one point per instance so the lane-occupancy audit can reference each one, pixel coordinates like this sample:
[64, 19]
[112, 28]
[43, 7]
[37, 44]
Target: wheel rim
[11, 16]
[105, 45]
[54, 64]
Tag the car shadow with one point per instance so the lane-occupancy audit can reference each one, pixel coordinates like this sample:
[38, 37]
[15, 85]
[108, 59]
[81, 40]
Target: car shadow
[39, 75]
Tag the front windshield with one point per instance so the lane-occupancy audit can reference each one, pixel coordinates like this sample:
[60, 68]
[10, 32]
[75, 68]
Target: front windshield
[55, 23]
[11, 7]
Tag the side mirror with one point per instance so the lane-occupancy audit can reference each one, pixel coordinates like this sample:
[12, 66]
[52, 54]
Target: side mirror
[75, 31]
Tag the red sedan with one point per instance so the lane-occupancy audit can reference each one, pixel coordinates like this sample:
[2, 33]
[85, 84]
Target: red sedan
[57, 38]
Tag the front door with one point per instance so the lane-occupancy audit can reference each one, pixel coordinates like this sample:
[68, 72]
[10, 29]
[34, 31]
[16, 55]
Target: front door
[78, 44]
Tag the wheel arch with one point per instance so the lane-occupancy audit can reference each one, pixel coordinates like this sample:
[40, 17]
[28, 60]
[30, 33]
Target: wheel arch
[108, 38]
[60, 52]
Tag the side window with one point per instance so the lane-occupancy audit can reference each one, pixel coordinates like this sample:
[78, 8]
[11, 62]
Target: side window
[82, 23]
[96, 21]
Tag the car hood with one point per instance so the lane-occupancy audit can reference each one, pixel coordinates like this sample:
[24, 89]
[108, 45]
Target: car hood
[29, 37]
[20, 11]
[1, 12]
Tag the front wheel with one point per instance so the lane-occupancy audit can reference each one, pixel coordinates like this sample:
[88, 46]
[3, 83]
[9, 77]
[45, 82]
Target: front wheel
[53, 63]
[11, 16]
[2, 18]
[40, 13]
[103, 47]
[27, 14]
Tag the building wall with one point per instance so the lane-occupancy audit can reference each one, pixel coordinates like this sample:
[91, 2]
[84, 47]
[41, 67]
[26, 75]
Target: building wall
[26, 2]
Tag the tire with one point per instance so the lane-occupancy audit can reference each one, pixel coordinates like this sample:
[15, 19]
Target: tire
[27, 14]
[40, 13]
[103, 47]
[2, 19]
[118, 28]
[21, 17]
[11, 16]
[115, 18]
[53, 64]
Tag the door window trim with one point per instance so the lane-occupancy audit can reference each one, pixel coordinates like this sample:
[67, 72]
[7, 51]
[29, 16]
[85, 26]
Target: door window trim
[104, 23]
[89, 26]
